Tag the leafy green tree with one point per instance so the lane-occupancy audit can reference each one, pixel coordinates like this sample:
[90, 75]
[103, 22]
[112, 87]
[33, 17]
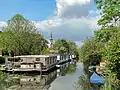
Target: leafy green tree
[113, 53]
[110, 12]
[62, 46]
[90, 53]
[103, 35]
[66, 47]
[109, 36]
[21, 38]
[72, 48]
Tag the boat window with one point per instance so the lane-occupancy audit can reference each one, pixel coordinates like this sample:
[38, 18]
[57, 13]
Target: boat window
[21, 60]
[47, 60]
[60, 57]
[53, 59]
[29, 65]
[37, 59]
[50, 60]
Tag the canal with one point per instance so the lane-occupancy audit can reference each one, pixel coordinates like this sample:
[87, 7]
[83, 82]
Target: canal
[64, 78]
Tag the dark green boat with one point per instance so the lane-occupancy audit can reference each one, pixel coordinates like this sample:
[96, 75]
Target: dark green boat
[92, 68]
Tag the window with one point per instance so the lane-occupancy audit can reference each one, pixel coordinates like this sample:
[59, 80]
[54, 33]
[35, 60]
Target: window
[50, 60]
[29, 65]
[60, 57]
[53, 59]
[37, 59]
[21, 60]
[47, 60]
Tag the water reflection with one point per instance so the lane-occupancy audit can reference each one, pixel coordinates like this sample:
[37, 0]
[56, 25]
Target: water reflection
[63, 78]
[36, 82]
[82, 83]
[67, 82]
[67, 68]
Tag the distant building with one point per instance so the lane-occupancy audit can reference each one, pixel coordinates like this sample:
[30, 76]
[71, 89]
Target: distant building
[51, 44]
[51, 41]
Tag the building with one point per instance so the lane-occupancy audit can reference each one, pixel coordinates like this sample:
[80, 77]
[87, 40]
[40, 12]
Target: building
[31, 62]
[51, 41]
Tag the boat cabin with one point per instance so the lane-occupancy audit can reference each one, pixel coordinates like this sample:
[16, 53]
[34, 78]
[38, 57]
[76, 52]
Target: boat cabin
[31, 62]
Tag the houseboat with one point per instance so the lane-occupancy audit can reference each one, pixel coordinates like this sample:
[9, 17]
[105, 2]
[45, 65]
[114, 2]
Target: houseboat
[31, 62]
[63, 58]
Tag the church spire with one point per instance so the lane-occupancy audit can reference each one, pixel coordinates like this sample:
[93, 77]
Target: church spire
[51, 41]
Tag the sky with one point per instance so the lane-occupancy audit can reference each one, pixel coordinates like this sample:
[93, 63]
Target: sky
[70, 19]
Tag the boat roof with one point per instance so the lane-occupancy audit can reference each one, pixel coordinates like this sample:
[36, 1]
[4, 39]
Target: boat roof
[32, 56]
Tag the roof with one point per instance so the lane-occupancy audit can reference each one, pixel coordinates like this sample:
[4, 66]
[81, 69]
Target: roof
[47, 55]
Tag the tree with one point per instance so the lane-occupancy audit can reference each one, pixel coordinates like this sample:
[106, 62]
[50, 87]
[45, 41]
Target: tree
[66, 47]
[113, 53]
[109, 33]
[104, 35]
[72, 47]
[90, 53]
[62, 46]
[110, 12]
[21, 38]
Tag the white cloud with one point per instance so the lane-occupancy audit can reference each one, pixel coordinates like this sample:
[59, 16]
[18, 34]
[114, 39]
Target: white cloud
[2, 24]
[72, 8]
[74, 20]
[73, 29]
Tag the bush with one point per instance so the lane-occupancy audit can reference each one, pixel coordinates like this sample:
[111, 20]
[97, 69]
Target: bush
[2, 60]
[111, 82]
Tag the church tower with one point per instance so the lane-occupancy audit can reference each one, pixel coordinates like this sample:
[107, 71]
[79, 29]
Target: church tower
[51, 41]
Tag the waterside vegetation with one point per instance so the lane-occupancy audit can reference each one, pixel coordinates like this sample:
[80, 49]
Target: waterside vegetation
[104, 46]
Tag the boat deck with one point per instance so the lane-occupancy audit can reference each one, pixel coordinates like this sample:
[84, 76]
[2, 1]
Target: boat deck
[25, 69]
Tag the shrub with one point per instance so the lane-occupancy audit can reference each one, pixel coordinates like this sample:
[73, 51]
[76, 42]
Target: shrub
[2, 60]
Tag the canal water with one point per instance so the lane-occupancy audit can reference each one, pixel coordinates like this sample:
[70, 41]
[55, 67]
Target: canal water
[64, 78]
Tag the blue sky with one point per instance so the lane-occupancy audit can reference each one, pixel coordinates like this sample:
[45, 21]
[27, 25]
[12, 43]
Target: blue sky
[31, 9]
[73, 20]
